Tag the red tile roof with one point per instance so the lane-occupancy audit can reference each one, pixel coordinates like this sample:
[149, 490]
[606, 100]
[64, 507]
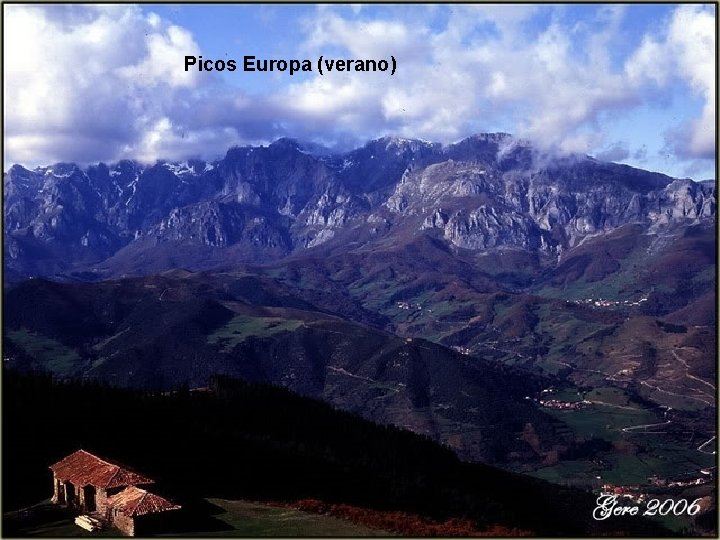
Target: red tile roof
[83, 468]
[133, 501]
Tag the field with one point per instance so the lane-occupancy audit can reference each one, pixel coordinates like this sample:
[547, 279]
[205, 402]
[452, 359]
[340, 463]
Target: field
[256, 520]
[604, 421]
[48, 352]
[639, 455]
[636, 456]
[241, 327]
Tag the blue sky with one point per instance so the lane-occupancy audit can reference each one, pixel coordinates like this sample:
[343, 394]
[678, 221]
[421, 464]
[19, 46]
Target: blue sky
[628, 83]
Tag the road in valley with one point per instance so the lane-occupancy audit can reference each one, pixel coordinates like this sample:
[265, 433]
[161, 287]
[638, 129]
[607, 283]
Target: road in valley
[700, 448]
[641, 426]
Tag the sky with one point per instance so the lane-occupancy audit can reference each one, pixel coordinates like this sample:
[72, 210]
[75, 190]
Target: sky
[630, 83]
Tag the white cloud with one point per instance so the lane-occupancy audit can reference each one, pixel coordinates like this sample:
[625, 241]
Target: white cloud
[364, 38]
[90, 83]
[647, 65]
[618, 151]
[555, 87]
[460, 79]
[87, 82]
[692, 33]
[161, 65]
[683, 54]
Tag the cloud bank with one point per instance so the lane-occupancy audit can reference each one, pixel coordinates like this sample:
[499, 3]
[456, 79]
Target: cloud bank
[89, 83]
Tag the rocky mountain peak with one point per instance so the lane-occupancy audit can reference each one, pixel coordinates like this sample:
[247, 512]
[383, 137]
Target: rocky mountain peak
[484, 192]
[286, 143]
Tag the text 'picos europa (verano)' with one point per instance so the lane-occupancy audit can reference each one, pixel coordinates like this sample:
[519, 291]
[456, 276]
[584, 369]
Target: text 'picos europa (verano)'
[322, 65]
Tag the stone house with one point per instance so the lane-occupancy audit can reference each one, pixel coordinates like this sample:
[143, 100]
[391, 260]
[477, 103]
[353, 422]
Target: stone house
[137, 511]
[110, 492]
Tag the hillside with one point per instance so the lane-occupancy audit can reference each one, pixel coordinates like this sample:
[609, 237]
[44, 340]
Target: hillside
[167, 331]
[262, 443]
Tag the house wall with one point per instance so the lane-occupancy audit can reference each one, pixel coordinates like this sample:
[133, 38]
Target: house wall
[68, 494]
[101, 498]
[125, 523]
[61, 489]
[80, 494]
[57, 497]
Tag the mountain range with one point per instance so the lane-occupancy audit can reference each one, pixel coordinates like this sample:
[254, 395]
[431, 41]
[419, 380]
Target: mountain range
[487, 193]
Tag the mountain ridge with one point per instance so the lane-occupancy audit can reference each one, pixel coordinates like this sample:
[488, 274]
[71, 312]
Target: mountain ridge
[264, 203]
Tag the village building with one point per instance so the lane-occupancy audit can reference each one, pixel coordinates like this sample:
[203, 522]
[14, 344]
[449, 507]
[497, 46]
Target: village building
[108, 492]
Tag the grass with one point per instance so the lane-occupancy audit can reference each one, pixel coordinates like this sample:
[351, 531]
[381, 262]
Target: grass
[50, 353]
[680, 402]
[548, 367]
[104, 342]
[706, 276]
[375, 294]
[499, 308]
[256, 520]
[629, 469]
[49, 521]
[571, 473]
[561, 332]
[609, 287]
[677, 458]
[566, 394]
[603, 421]
[655, 454]
[615, 396]
[240, 327]
[659, 458]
